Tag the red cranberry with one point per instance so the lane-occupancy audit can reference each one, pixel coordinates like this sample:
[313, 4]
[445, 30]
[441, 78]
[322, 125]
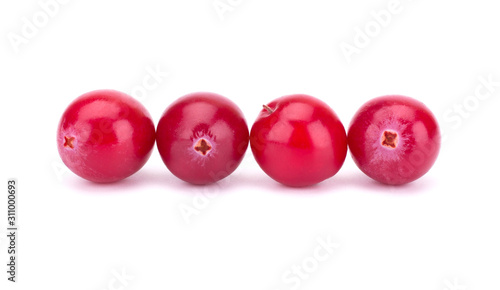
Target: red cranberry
[394, 139]
[105, 136]
[202, 137]
[298, 140]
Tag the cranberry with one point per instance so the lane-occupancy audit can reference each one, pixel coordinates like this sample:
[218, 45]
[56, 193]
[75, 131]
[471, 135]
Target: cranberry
[105, 136]
[394, 139]
[298, 140]
[202, 137]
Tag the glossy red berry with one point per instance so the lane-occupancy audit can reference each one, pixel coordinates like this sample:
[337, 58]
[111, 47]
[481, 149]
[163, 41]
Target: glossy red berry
[394, 139]
[105, 136]
[298, 140]
[202, 137]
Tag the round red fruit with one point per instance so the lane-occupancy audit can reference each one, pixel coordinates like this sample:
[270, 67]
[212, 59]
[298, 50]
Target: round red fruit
[298, 140]
[202, 137]
[105, 136]
[394, 139]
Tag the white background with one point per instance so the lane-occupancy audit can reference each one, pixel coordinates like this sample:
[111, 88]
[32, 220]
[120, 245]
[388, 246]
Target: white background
[440, 232]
